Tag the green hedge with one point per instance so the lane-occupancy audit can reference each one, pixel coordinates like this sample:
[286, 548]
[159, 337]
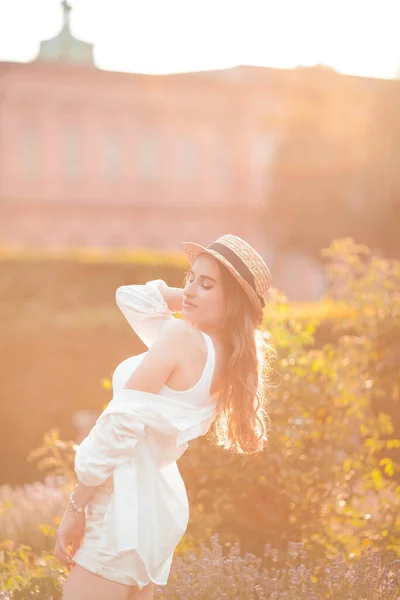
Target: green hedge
[62, 333]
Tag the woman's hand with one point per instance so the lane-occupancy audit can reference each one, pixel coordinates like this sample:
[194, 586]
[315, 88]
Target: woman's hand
[70, 531]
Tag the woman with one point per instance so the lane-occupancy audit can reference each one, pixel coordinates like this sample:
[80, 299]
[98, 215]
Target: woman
[130, 508]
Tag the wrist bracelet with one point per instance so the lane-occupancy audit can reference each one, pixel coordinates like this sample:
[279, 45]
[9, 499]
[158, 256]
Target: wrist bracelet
[74, 507]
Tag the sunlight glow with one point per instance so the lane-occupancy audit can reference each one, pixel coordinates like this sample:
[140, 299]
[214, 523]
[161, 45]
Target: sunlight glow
[159, 36]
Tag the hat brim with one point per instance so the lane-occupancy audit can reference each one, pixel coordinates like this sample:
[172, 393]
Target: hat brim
[193, 250]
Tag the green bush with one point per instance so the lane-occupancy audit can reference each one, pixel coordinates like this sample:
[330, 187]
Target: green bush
[24, 574]
[329, 477]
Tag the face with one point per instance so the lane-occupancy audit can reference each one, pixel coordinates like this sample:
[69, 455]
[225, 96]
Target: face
[203, 295]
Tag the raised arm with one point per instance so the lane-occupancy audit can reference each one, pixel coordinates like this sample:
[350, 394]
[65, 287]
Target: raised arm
[148, 307]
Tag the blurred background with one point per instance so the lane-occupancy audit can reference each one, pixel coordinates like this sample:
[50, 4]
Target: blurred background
[127, 127]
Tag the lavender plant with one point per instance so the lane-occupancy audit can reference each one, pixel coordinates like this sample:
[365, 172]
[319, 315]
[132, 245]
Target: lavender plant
[213, 574]
[218, 572]
[29, 513]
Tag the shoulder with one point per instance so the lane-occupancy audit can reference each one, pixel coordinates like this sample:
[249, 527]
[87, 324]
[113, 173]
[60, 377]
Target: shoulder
[172, 347]
[178, 331]
[180, 340]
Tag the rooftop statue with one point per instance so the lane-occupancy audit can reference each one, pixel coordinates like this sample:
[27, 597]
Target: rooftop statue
[64, 47]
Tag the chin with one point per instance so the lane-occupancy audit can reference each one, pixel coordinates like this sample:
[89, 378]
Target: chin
[185, 314]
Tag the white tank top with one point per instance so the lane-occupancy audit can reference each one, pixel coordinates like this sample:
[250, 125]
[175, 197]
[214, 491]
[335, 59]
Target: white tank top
[199, 391]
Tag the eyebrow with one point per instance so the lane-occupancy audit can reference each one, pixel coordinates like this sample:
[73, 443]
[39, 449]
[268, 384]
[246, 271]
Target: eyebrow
[191, 272]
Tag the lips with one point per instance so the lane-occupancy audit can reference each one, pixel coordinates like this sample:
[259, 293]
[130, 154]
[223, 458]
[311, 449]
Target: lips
[187, 304]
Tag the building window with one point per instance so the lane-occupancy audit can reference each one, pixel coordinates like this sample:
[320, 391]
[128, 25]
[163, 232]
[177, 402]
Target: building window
[149, 156]
[112, 155]
[72, 153]
[29, 151]
[220, 155]
[187, 157]
[264, 151]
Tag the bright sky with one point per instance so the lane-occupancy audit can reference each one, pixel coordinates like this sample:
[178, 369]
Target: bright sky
[164, 36]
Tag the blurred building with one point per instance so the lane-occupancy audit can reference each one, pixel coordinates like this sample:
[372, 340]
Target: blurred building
[90, 157]
[96, 158]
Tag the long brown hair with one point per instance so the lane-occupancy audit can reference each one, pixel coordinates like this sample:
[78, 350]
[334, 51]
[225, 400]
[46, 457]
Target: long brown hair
[242, 422]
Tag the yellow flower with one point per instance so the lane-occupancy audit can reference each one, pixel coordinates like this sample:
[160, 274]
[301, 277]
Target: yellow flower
[106, 383]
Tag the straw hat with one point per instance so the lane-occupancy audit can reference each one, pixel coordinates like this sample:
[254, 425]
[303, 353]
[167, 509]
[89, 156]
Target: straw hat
[242, 261]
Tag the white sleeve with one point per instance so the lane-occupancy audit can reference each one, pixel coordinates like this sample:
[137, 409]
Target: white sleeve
[110, 443]
[144, 308]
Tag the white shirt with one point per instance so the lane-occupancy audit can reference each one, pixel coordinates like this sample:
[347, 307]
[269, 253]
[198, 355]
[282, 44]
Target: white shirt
[137, 440]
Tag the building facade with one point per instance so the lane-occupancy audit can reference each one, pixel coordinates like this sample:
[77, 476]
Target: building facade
[97, 158]
[90, 157]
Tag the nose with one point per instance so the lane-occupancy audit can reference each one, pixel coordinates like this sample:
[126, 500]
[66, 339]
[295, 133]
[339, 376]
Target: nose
[189, 290]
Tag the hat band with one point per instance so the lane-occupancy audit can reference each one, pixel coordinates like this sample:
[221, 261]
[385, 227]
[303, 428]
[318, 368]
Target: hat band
[238, 264]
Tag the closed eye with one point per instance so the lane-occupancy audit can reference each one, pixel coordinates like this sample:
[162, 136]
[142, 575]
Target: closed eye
[205, 280]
